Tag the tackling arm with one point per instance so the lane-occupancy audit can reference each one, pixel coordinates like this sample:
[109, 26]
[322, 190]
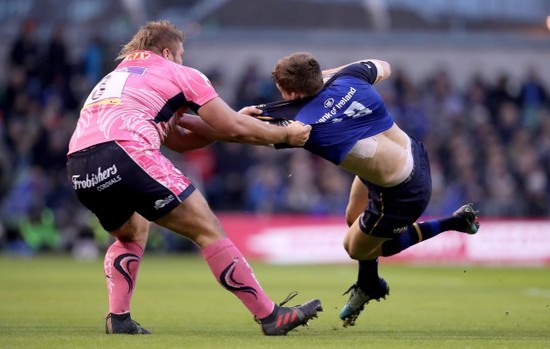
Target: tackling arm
[218, 121]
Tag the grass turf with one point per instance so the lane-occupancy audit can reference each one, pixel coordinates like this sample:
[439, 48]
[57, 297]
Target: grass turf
[57, 302]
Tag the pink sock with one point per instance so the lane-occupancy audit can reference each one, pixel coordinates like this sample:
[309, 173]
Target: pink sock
[121, 267]
[233, 272]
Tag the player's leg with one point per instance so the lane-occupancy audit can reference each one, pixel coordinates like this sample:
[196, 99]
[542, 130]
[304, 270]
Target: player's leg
[101, 177]
[387, 209]
[121, 265]
[360, 246]
[369, 285]
[193, 219]
[364, 248]
[411, 199]
[463, 220]
[122, 261]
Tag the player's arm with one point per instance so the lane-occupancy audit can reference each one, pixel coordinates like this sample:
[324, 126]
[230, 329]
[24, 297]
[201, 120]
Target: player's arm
[181, 140]
[195, 124]
[220, 122]
[383, 69]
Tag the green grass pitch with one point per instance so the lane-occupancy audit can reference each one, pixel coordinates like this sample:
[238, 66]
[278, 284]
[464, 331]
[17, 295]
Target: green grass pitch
[57, 302]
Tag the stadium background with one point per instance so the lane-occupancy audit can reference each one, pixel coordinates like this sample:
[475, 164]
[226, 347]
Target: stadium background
[470, 79]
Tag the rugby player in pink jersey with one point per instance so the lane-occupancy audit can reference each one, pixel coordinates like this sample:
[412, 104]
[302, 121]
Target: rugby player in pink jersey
[118, 172]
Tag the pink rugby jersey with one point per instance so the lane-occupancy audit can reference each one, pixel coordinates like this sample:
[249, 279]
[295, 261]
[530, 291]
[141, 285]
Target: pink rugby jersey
[137, 100]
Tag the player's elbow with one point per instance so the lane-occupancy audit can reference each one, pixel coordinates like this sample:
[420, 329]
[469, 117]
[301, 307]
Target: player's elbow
[386, 69]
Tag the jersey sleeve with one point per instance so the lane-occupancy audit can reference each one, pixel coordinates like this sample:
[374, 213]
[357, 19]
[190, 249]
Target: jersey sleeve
[196, 87]
[286, 110]
[364, 70]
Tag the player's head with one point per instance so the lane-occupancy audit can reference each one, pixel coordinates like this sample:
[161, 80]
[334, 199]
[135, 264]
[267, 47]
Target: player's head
[298, 75]
[161, 37]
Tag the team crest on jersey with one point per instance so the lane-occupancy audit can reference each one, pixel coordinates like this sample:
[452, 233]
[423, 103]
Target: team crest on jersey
[329, 103]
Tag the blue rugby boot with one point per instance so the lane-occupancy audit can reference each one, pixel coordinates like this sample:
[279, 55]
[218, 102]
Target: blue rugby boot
[357, 300]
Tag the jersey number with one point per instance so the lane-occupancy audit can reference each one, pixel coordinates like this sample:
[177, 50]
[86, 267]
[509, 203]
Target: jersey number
[357, 109]
[109, 88]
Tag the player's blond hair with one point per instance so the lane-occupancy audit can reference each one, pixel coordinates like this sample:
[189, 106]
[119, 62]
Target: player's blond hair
[300, 72]
[154, 36]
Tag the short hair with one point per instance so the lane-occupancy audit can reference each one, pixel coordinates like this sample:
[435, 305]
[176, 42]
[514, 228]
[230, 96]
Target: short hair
[300, 73]
[154, 36]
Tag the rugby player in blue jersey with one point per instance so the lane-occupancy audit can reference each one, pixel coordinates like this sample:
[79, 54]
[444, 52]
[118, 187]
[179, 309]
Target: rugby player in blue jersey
[352, 128]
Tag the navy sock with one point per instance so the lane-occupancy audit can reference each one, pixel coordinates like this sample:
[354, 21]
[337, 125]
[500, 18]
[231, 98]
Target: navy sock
[368, 274]
[416, 233]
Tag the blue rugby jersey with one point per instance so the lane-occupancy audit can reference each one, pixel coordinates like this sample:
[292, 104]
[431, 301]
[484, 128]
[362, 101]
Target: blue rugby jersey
[347, 110]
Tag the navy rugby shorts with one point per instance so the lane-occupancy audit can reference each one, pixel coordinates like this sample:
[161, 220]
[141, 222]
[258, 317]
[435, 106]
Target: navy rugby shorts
[116, 179]
[395, 207]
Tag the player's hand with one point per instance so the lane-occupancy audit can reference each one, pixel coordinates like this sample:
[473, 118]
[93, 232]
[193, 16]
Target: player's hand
[251, 111]
[297, 133]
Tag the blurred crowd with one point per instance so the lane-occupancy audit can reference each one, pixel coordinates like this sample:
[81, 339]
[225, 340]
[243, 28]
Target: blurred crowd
[489, 143]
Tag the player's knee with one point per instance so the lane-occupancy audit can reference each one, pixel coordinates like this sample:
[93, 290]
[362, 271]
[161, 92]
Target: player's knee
[352, 254]
[136, 229]
[356, 254]
[361, 252]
